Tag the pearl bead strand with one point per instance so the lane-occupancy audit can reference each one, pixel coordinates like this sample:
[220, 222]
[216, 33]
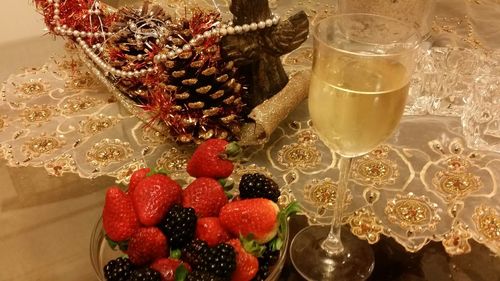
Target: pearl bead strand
[174, 50]
[221, 31]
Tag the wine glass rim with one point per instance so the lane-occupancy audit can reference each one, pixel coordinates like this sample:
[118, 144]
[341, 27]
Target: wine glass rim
[409, 47]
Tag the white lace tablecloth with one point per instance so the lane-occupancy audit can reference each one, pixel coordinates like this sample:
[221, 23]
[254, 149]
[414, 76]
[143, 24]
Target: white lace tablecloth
[423, 185]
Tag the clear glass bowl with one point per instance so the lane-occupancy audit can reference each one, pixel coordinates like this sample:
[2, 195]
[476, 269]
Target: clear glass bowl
[101, 253]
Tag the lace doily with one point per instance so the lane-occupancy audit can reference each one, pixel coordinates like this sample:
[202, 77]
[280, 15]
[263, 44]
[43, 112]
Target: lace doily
[59, 117]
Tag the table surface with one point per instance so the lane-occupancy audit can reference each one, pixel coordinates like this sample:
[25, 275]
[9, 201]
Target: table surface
[46, 221]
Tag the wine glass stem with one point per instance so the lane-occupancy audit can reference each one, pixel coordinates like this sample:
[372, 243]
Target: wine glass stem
[333, 244]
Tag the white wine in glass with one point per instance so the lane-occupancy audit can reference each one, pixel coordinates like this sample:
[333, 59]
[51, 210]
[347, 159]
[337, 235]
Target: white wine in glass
[359, 84]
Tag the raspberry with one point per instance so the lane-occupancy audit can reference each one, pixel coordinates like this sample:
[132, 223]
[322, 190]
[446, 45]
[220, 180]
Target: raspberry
[259, 186]
[179, 226]
[119, 269]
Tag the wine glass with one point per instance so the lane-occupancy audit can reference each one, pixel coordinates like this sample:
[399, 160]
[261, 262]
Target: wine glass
[359, 85]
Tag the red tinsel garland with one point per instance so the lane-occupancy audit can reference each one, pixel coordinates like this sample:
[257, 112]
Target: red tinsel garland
[89, 16]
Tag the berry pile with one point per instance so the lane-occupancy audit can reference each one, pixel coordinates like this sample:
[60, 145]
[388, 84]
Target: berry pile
[195, 233]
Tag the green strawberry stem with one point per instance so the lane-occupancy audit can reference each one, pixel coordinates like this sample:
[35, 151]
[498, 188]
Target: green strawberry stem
[175, 254]
[229, 194]
[283, 216]
[157, 170]
[232, 151]
[122, 245]
[226, 183]
[181, 273]
[251, 246]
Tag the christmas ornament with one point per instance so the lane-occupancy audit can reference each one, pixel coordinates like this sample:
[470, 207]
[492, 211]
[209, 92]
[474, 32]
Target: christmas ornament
[192, 75]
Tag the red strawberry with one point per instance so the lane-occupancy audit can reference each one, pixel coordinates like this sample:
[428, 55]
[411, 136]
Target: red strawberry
[118, 216]
[247, 265]
[167, 266]
[206, 196]
[258, 217]
[209, 160]
[211, 231]
[154, 196]
[136, 177]
[146, 245]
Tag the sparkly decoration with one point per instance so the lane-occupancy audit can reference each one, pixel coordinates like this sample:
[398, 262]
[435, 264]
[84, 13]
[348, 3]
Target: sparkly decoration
[457, 163]
[366, 225]
[324, 192]
[451, 25]
[307, 137]
[196, 93]
[38, 114]
[124, 173]
[80, 81]
[79, 103]
[173, 160]
[43, 144]
[69, 65]
[150, 135]
[455, 182]
[33, 88]
[299, 156]
[413, 213]
[456, 241]
[376, 168]
[64, 163]
[198, 76]
[108, 151]
[96, 124]
[456, 185]
[487, 223]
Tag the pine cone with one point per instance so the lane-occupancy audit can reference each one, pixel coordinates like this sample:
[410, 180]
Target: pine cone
[197, 94]
[205, 92]
[137, 37]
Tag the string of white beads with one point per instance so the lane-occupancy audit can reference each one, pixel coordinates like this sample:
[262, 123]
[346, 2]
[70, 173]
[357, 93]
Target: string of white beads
[222, 31]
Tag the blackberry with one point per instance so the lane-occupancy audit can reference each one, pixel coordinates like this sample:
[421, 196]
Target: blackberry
[145, 274]
[119, 269]
[179, 225]
[266, 261]
[195, 253]
[198, 275]
[259, 186]
[221, 260]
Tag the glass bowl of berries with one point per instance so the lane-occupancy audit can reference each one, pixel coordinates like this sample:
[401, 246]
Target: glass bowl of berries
[157, 229]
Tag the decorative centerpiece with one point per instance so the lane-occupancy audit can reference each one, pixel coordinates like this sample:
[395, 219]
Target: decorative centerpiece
[193, 78]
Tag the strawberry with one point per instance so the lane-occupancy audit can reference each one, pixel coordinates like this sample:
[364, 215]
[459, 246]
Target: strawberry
[118, 216]
[209, 159]
[136, 177]
[211, 231]
[247, 265]
[167, 268]
[146, 245]
[206, 196]
[153, 197]
[257, 217]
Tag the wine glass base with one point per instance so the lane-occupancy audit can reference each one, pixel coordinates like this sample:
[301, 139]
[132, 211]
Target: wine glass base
[313, 263]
